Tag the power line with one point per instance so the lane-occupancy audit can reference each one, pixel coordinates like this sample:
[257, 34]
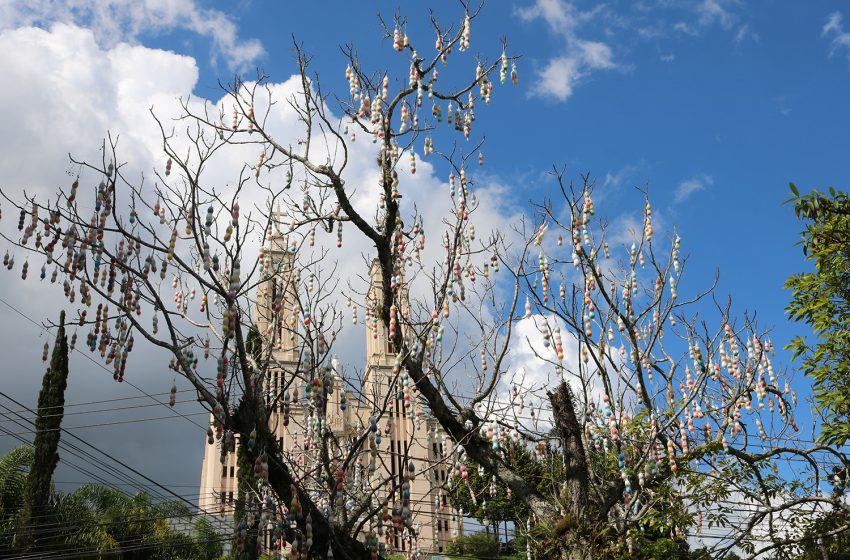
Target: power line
[111, 423]
[109, 456]
[80, 483]
[71, 464]
[115, 399]
[133, 545]
[89, 459]
[98, 364]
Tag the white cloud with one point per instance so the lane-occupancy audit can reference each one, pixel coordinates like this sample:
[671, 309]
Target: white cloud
[596, 54]
[689, 186]
[686, 28]
[533, 372]
[116, 21]
[61, 103]
[744, 32]
[560, 75]
[833, 24]
[559, 15]
[66, 92]
[834, 27]
[581, 56]
[722, 13]
[558, 78]
[715, 11]
[615, 179]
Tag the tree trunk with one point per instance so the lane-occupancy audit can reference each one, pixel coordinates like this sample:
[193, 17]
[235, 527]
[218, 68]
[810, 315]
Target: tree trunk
[576, 477]
[246, 486]
[48, 420]
[345, 547]
[569, 533]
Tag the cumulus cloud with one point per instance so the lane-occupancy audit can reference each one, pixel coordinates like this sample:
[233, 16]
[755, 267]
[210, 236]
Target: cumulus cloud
[596, 55]
[580, 56]
[62, 104]
[116, 21]
[559, 76]
[692, 185]
[560, 16]
[533, 372]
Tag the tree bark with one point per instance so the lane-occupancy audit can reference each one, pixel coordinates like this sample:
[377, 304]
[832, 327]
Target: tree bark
[246, 486]
[345, 546]
[570, 533]
[576, 477]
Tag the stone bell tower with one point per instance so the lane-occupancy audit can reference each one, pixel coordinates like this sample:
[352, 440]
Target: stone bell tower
[380, 350]
[277, 298]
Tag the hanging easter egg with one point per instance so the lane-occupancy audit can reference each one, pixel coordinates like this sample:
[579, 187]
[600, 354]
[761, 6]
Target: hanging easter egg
[260, 159]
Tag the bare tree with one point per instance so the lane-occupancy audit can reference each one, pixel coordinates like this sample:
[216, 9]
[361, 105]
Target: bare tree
[658, 416]
[664, 417]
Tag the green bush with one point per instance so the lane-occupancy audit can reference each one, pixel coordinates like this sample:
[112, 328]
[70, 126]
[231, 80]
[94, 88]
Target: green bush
[477, 545]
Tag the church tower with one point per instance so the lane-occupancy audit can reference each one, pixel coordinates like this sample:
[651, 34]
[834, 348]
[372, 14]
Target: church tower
[411, 433]
[380, 350]
[409, 436]
[277, 296]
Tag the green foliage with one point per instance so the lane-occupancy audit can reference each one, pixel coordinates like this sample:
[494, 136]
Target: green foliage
[477, 545]
[246, 484]
[132, 521]
[651, 540]
[831, 545]
[499, 507]
[51, 409]
[254, 345]
[208, 543]
[653, 547]
[14, 467]
[821, 300]
[100, 520]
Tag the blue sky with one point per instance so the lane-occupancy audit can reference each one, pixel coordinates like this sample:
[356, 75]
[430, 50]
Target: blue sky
[715, 104]
[730, 99]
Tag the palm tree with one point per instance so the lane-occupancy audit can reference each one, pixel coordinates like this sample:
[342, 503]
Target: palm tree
[14, 467]
[137, 526]
[97, 521]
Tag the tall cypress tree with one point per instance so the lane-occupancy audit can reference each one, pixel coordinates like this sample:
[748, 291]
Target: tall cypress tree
[51, 409]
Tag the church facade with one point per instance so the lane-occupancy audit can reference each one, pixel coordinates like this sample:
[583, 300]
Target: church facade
[403, 465]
